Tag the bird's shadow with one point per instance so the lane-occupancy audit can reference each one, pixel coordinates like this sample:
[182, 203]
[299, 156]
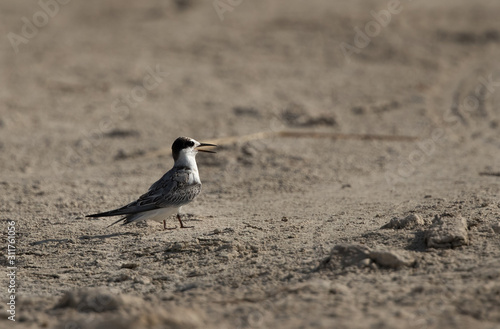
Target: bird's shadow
[106, 236]
[83, 237]
[36, 243]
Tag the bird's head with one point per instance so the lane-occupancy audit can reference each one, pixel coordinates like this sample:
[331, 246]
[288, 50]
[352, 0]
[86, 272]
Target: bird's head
[184, 147]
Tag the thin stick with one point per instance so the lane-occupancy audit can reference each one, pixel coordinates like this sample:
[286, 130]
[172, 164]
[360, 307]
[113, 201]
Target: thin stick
[495, 174]
[295, 134]
[313, 134]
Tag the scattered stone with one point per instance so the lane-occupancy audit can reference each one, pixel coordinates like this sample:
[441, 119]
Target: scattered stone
[343, 256]
[340, 289]
[392, 259]
[122, 154]
[496, 227]
[120, 278]
[358, 110]
[254, 248]
[130, 265]
[364, 262]
[122, 133]
[90, 300]
[411, 221]
[123, 311]
[447, 231]
[187, 287]
[296, 115]
[249, 150]
[313, 286]
[246, 111]
[320, 120]
[385, 107]
[174, 247]
[466, 37]
[142, 280]
[183, 4]
[349, 255]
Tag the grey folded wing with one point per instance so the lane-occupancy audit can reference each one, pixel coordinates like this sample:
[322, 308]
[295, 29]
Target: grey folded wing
[172, 190]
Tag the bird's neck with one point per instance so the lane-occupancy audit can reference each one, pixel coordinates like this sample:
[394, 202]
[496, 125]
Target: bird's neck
[187, 161]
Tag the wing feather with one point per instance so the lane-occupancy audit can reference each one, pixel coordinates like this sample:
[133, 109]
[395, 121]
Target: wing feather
[172, 190]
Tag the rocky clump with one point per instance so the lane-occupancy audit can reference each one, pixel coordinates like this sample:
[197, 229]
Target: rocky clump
[411, 221]
[447, 231]
[344, 256]
[98, 308]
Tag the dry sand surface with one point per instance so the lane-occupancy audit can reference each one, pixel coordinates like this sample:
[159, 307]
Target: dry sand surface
[330, 226]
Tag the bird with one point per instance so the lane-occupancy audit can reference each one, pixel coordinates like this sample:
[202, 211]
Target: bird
[176, 188]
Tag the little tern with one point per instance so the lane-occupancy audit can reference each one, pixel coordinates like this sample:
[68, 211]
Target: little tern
[178, 187]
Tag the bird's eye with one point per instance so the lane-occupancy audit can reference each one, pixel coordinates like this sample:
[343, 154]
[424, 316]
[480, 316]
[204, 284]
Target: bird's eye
[190, 143]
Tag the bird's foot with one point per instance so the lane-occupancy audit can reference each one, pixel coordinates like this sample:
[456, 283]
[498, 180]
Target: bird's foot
[182, 224]
[168, 228]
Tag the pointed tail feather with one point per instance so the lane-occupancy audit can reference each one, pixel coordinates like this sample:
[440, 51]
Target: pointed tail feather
[102, 214]
[126, 210]
[121, 219]
[116, 212]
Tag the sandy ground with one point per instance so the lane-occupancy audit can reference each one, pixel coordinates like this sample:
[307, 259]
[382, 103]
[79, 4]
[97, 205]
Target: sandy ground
[287, 231]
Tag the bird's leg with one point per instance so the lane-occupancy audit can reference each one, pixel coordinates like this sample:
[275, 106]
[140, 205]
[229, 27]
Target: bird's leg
[167, 228]
[182, 224]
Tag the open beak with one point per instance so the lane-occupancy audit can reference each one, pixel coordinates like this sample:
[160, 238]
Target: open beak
[204, 145]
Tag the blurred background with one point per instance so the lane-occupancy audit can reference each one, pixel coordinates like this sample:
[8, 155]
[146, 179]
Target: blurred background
[93, 93]
[73, 73]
